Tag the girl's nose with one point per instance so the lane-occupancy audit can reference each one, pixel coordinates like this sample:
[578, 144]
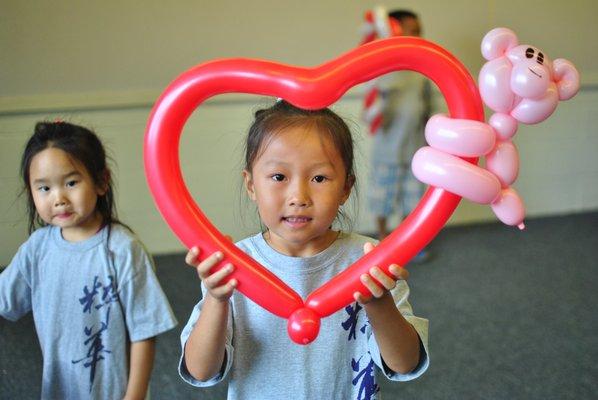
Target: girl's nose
[299, 196]
[298, 202]
[59, 200]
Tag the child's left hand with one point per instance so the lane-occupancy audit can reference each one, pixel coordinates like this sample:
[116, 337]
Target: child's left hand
[377, 281]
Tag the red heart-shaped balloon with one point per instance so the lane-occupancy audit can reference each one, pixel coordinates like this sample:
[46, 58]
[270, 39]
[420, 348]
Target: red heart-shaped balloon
[309, 88]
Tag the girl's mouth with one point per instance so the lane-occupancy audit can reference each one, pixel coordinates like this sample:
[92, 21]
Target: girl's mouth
[64, 215]
[296, 221]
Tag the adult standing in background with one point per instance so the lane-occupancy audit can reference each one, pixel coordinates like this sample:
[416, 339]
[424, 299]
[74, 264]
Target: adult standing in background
[406, 108]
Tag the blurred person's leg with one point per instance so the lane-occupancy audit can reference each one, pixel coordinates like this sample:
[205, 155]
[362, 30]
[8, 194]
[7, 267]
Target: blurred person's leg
[382, 194]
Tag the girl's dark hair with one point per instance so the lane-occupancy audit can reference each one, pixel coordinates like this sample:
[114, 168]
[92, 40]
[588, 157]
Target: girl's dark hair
[400, 15]
[282, 116]
[79, 143]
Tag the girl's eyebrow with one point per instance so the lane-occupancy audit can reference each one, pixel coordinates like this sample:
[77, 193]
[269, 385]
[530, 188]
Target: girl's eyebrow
[65, 176]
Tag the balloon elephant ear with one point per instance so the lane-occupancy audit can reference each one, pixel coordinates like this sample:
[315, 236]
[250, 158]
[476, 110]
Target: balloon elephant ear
[497, 42]
[566, 78]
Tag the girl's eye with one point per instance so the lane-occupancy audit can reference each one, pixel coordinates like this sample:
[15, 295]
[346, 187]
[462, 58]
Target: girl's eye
[43, 189]
[278, 177]
[71, 183]
[319, 178]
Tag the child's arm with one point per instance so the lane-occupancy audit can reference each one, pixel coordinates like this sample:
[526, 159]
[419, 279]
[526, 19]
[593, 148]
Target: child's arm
[142, 362]
[15, 290]
[205, 347]
[397, 339]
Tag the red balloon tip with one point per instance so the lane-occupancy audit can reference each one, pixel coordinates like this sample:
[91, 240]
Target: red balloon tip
[303, 326]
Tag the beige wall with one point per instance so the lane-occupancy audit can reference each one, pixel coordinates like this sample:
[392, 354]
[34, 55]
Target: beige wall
[66, 46]
[103, 64]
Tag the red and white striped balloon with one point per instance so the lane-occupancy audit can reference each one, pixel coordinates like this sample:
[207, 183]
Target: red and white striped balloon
[377, 25]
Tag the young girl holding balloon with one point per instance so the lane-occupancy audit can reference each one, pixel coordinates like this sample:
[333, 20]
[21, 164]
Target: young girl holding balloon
[96, 301]
[299, 172]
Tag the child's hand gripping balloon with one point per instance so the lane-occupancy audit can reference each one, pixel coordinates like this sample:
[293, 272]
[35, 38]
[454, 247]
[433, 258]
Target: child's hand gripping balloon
[215, 282]
[378, 282]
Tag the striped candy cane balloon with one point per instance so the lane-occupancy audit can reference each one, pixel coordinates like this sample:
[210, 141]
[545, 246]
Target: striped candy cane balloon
[377, 25]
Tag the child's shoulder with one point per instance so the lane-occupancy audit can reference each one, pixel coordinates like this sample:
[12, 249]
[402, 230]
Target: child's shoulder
[36, 243]
[39, 236]
[249, 239]
[251, 243]
[349, 246]
[122, 240]
[127, 252]
[355, 239]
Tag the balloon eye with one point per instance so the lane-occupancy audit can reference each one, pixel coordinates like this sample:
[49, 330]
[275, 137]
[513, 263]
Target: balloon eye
[529, 53]
[540, 58]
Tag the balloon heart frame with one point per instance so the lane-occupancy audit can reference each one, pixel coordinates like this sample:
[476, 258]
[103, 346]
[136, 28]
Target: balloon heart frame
[308, 88]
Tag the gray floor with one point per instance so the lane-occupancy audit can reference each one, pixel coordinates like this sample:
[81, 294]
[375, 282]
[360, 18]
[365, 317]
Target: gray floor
[513, 315]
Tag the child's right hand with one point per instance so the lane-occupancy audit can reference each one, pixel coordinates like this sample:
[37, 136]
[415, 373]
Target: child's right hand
[213, 281]
[377, 281]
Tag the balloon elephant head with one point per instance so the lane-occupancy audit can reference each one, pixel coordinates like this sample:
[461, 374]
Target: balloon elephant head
[521, 81]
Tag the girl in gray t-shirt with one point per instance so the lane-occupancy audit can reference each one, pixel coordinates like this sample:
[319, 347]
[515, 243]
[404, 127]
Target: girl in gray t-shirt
[299, 172]
[89, 282]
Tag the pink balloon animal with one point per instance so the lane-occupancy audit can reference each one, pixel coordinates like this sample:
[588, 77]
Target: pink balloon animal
[520, 84]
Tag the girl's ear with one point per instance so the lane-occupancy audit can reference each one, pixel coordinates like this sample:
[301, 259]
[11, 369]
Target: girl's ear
[248, 182]
[349, 182]
[102, 186]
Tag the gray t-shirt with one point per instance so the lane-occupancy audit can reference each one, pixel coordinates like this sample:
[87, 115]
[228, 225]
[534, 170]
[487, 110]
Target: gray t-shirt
[89, 300]
[263, 362]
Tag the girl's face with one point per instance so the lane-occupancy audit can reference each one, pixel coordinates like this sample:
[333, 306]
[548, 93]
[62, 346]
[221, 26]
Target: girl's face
[298, 182]
[64, 194]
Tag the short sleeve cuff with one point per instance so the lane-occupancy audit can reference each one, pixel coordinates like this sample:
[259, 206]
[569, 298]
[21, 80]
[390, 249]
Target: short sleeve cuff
[186, 376]
[149, 331]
